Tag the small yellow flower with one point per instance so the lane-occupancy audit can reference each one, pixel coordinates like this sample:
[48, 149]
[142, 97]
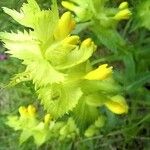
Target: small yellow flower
[26, 112]
[101, 73]
[123, 5]
[117, 105]
[65, 25]
[123, 14]
[31, 110]
[69, 5]
[23, 111]
[80, 11]
[73, 40]
[47, 118]
[88, 43]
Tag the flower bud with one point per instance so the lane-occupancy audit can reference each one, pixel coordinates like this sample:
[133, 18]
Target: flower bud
[90, 131]
[100, 122]
[123, 5]
[101, 73]
[31, 110]
[117, 105]
[123, 14]
[87, 42]
[73, 40]
[69, 5]
[65, 25]
[81, 12]
[23, 111]
[47, 118]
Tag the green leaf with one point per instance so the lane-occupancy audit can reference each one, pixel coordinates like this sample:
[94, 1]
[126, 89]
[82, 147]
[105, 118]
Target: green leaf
[59, 99]
[98, 5]
[25, 135]
[109, 37]
[43, 22]
[129, 67]
[18, 78]
[142, 13]
[13, 122]
[44, 25]
[21, 45]
[24, 47]
[42, 73]
[27, 13]
[40, 133]
[84, 114]
[141, 79]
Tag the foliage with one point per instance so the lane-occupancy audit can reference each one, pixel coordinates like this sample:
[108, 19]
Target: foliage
[57, 66]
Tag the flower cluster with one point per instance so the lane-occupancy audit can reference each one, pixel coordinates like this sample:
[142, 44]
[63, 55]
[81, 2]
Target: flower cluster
[100, 19]
[85, 10]
[65, 81]
[48, 129]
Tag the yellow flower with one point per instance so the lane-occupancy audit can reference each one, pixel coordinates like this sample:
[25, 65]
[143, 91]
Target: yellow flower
[65, 25]
[31, 110]
[27, 112]
[87, 43]
[117, 105]
[101, 73]
[123, 5]
[123, 14]
[23, 111]
[79, 10]
[47, 118]
[69, 5]
[73, 40]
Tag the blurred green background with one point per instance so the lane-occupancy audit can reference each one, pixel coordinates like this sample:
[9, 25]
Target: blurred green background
[132, 71]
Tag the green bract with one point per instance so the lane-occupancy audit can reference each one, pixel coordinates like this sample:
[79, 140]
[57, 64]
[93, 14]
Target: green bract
[142, 13]
[58, 65]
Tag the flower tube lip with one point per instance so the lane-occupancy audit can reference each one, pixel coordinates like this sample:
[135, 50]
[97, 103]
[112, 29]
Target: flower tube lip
[65, 25]
[101, 73]
[123, 14]
[79, 8]
[27, 112]
[117, 105]
[23, 111]
[31, 110]
[47, 118]
[123, 5]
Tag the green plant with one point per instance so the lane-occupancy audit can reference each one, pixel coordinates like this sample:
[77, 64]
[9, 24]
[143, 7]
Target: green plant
[70, 90]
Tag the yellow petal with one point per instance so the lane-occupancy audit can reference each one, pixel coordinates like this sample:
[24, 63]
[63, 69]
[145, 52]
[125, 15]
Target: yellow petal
[31, 110]
[123, 14]
[101, 73]
[88, 43]
[47, 118]
[68, 5]
[123, 5]
[73, 40]
[117, 105]
[23, 111]
[65, 25]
